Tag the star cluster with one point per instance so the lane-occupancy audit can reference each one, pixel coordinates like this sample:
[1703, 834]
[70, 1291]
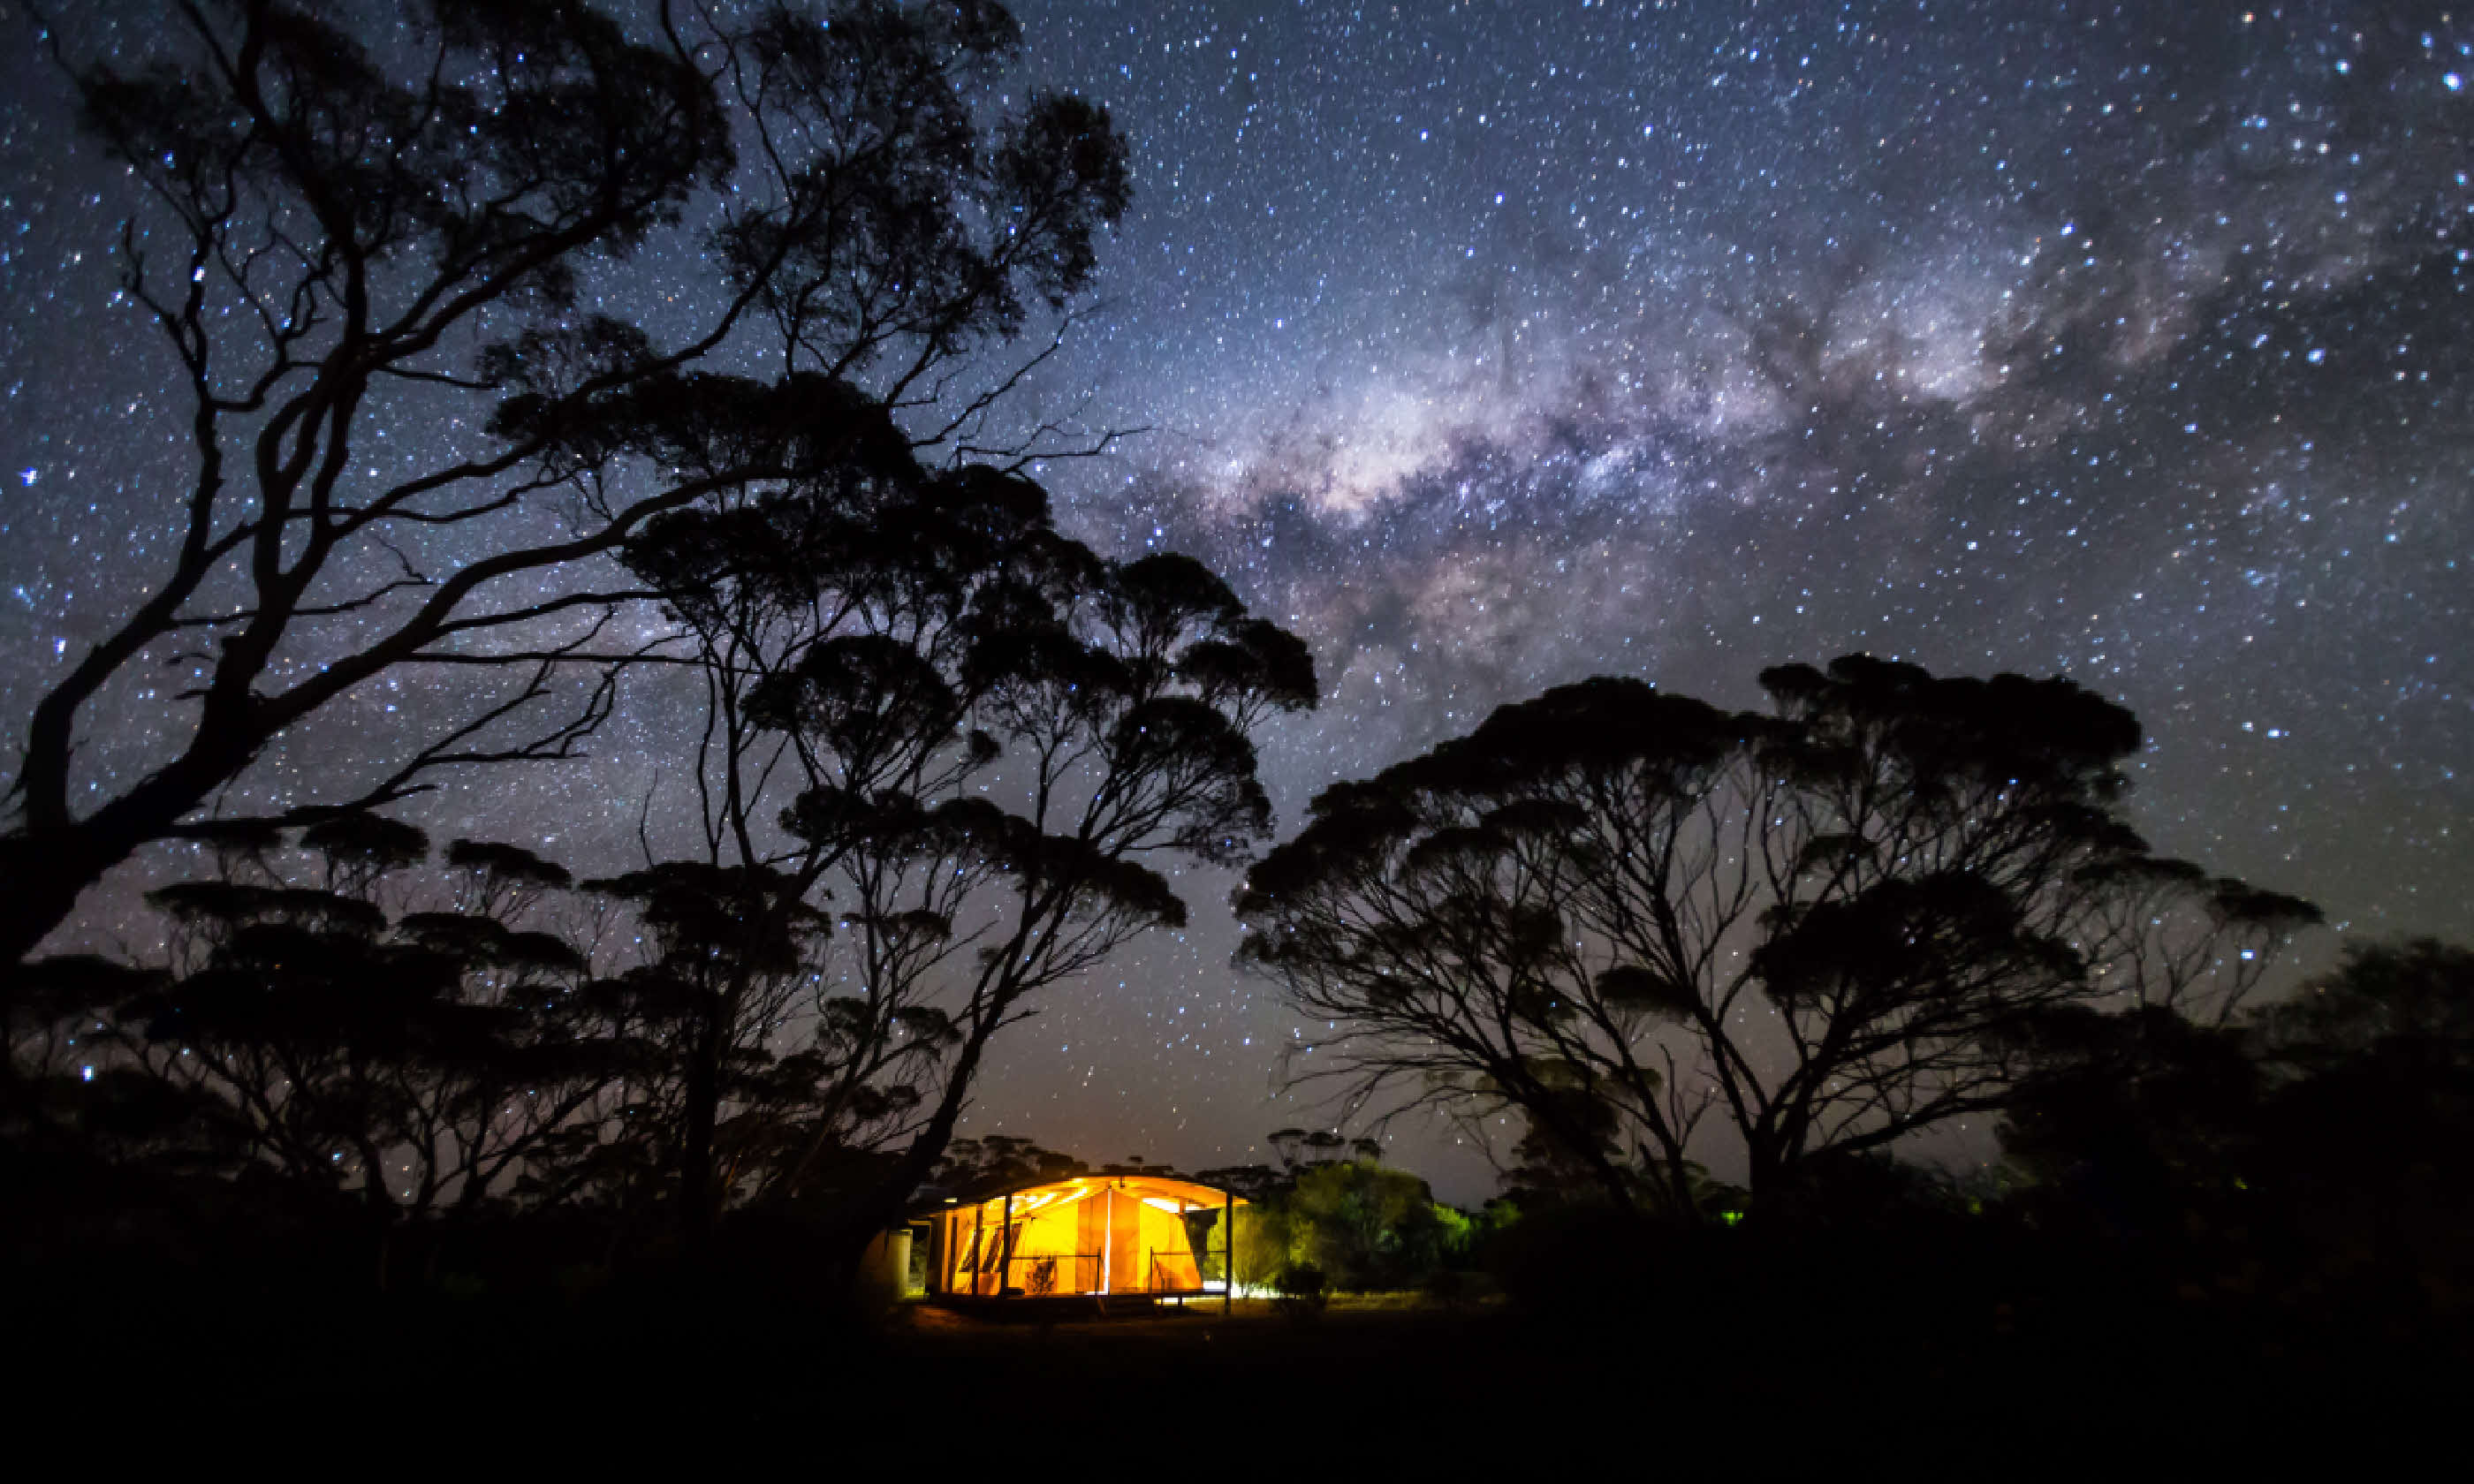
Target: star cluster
[1492, 345]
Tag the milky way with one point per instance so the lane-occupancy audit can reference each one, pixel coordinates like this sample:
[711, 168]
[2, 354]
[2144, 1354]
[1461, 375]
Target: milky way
[1495, 345]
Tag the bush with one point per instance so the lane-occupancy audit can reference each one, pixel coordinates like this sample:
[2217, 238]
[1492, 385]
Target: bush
[1302, 1290]
[1449, 1285]
[1576, 1259]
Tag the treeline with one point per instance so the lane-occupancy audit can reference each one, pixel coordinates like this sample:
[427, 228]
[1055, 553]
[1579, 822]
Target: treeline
[943, 756]
[1643, 922]
[1893, 919]
[2316, 1154]
[2296, 1179]
[791, 1020]
[378, 1045]
[2259, 1229]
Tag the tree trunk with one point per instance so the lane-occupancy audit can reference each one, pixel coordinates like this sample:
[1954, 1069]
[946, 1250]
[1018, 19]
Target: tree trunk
[42, 878]
[1679, 1186]
[889, 1198]
[697, 1139]
[1767, 1158]
[51, 859]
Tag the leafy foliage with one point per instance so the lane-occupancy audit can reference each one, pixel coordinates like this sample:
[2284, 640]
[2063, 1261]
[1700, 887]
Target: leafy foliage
[426, 1062]
[1617, 912]
[970, 734]
[347, 235]
[2323, 1137]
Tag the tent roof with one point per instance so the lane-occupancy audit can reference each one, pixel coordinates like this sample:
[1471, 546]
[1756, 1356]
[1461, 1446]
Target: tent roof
[1060, 1192]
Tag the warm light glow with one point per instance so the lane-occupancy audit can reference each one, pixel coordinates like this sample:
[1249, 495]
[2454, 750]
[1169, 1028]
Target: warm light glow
[1060, 1241]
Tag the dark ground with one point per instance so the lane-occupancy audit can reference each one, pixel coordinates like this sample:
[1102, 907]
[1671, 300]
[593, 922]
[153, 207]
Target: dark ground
[1398, 1376]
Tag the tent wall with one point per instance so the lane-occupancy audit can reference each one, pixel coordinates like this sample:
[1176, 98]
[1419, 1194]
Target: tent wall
[1080, 1236]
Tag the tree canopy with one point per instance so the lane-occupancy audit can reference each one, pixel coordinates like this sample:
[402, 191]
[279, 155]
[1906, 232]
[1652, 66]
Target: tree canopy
[422, 240]
[951, 754]
[1618, 911]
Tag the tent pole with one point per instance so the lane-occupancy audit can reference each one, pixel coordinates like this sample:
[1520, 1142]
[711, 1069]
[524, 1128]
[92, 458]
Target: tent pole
[1228, 1280]
[979, 1253]
[1004, 1247]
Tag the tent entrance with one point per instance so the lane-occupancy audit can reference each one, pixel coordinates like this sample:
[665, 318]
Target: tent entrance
[1095, 1235]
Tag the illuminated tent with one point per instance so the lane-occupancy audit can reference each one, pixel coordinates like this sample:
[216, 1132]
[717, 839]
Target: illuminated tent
[1092, 1234]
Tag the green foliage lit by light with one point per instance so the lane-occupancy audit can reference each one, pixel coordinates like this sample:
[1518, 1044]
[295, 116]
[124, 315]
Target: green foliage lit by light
[1363, 1224]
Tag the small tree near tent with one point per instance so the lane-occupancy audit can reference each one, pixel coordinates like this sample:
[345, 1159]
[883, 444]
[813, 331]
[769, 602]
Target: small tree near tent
[1620, 912]
[1366, 1226]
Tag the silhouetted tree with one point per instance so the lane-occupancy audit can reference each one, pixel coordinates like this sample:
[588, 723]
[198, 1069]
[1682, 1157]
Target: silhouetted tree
[349, 237]
[333, 1038]
[973, 1167]
[2406, 1002]
[85, 1105]
[729, 951]
[1322, 1146]
[970, 734]
[1545, 1171]
[2132, 1122]
[2368, 1138]
[1617, 911]
[2313, 1151]
[1254, 1183]
[1289, 1144]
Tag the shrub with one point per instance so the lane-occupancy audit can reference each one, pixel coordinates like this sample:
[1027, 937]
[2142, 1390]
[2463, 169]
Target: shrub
[1302, 1290]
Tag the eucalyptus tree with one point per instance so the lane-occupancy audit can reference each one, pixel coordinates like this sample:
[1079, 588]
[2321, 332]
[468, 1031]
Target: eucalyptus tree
[428, 385]
[321, 1017]
[1620, 912]
[976, 742]
[2316, 1147]
[973, 1168]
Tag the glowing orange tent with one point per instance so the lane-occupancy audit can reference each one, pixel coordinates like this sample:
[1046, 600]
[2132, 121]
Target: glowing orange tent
[1091, 1235]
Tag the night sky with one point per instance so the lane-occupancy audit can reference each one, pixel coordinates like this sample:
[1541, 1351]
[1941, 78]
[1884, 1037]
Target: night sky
[1494, 344]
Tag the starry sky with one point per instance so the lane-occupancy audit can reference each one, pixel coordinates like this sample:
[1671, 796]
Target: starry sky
[1493, 345]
